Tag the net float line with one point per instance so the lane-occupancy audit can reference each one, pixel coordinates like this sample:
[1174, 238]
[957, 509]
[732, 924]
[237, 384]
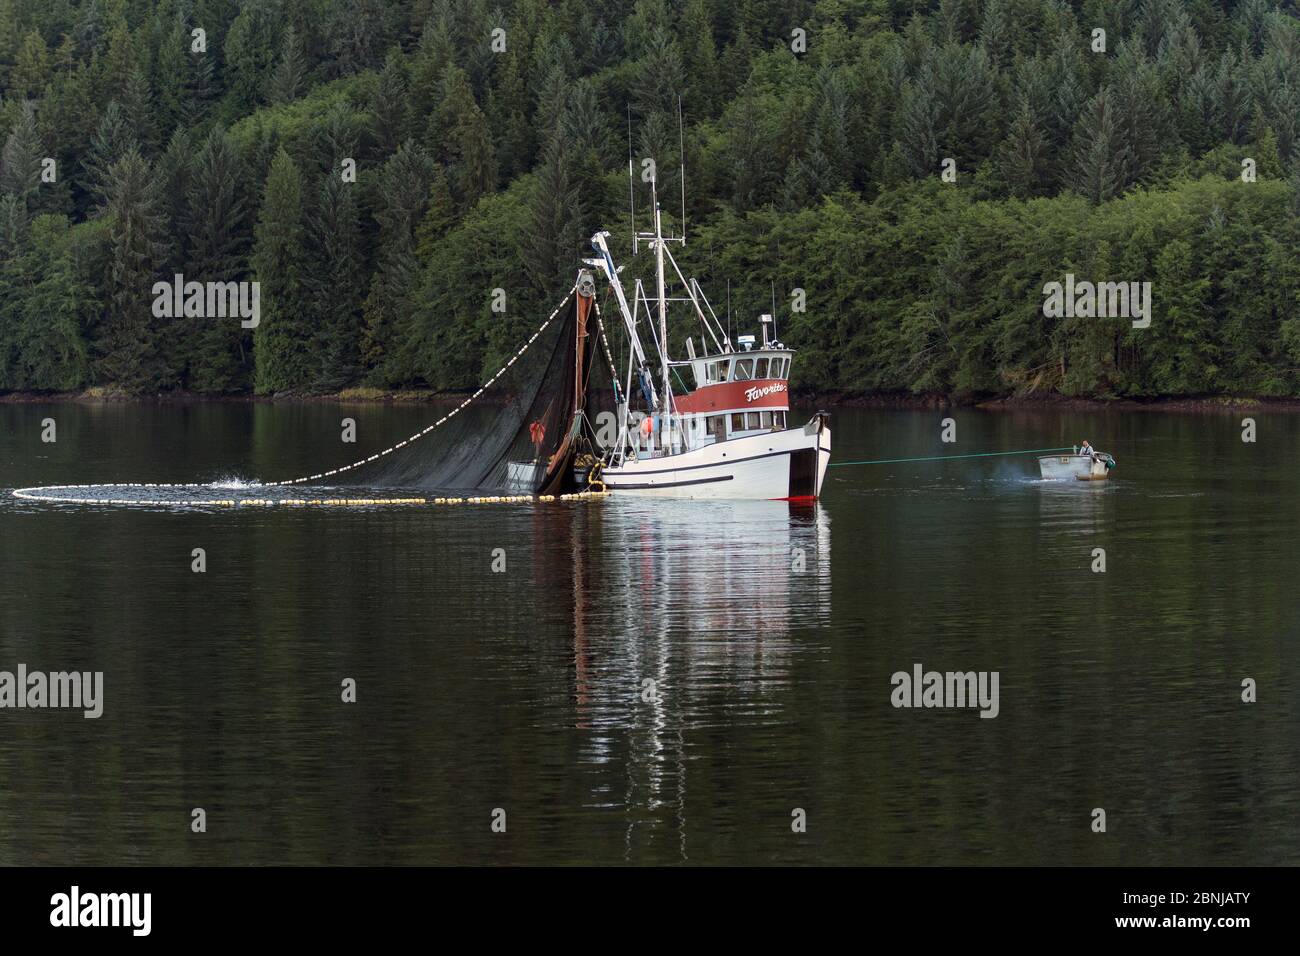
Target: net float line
[45, 493]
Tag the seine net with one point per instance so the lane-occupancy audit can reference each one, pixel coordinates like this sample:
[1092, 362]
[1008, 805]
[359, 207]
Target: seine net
[521, 436]
[530, 431]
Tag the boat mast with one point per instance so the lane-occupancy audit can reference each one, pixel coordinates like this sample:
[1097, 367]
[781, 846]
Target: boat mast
[663, 321]
[662, 403]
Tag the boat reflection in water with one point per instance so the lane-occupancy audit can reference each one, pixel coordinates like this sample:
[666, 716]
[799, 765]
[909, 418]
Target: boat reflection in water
[702, 608]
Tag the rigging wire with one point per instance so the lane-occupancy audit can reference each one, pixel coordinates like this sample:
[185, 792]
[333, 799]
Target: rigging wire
[985, 454]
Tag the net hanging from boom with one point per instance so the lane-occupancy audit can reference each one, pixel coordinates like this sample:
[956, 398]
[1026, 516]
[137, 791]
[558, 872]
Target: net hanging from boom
[519, 434]
[525, 434]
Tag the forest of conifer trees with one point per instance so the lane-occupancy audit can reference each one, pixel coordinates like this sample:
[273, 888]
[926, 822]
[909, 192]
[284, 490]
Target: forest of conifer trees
[490, 139]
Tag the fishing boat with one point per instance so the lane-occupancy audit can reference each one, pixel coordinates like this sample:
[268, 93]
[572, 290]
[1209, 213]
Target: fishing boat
[1093, 467]
[725, 431]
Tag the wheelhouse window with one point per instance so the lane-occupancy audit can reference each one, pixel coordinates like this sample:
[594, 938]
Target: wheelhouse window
[778, 367]
[717, 371]
[760, 367]
[744, 370]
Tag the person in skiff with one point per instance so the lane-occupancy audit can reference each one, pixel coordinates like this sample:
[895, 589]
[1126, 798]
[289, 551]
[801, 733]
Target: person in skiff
[1086, 449]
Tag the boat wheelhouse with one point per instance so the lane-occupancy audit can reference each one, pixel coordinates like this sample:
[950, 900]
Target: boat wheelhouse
[739, 394]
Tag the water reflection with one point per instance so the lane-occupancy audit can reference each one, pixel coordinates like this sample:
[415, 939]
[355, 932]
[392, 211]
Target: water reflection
[1066, 507]
[695, 601]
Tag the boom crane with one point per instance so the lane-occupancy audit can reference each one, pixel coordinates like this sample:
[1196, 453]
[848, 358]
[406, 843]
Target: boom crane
[606, 265]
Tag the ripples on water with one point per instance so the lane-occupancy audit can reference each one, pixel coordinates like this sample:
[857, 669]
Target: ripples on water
[527, 690]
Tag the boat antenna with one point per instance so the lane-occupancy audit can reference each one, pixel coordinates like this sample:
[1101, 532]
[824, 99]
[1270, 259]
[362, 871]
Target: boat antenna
[681, 152]
[774, 335]
[631, 192]
[728, 310]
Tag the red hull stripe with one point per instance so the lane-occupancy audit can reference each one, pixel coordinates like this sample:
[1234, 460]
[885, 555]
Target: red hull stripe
[765, 393]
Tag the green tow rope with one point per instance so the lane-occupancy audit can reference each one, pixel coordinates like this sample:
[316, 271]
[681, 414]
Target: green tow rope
[986, 454]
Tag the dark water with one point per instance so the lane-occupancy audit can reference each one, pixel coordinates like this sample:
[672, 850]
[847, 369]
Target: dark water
[524, 690]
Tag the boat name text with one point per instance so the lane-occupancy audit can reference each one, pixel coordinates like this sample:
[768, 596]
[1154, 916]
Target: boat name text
[759, 392]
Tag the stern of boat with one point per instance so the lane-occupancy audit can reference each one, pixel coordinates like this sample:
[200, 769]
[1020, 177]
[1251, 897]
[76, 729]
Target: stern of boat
[808, 465]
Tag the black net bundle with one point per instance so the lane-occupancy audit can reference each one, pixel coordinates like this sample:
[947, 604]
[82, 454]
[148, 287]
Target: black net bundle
[532, 431]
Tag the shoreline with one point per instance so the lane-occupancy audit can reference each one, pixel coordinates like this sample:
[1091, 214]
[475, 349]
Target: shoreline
[902, 401]
[1016, 403]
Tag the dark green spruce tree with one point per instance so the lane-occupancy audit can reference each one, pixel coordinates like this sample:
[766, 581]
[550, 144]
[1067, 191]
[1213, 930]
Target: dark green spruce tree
[216, 220]
[1100, 166]
[337, 283]
[403, 192]
[48, 305]
[283, 339]
[129, 351]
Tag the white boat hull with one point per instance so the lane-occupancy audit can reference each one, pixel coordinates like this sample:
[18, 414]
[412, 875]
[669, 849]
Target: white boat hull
[788, 464]
[1072, 468]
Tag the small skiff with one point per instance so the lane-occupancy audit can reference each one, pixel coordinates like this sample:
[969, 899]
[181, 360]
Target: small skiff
[1094, 467]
